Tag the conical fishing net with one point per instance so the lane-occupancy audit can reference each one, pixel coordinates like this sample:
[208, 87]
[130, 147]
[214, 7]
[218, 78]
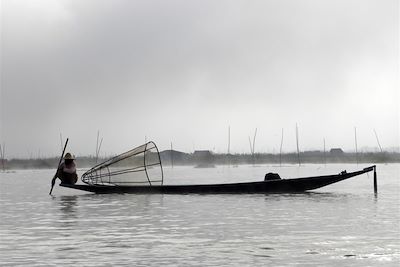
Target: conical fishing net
[140, 166]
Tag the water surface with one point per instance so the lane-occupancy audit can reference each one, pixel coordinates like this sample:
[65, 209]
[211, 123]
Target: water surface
[341, 224]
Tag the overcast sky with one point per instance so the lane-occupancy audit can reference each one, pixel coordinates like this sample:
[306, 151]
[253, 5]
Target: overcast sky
[183, 71]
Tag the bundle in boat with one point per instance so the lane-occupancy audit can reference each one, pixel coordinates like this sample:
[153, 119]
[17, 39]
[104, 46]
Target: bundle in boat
[138, 166]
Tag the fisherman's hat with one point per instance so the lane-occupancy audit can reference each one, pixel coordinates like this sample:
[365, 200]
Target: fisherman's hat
[69, 156]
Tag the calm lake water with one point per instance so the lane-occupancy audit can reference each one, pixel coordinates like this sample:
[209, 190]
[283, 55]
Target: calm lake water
[339, 225]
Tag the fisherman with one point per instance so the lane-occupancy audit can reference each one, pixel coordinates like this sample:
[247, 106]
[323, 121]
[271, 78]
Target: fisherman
[66, 172]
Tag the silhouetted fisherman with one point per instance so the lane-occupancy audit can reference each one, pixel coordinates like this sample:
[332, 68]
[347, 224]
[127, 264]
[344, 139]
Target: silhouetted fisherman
[66, 172]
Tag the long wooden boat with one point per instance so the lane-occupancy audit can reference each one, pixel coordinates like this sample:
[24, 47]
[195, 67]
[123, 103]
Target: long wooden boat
[270, 186]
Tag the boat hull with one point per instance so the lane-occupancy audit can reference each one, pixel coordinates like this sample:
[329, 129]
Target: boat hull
[273, 186]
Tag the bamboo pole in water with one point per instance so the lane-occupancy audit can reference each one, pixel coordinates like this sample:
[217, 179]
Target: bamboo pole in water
[355, 140]
[98, 150]
[375, 182]
[251, 149]
[98, 146]
[377, 140]
[254, 140]
[53, 181]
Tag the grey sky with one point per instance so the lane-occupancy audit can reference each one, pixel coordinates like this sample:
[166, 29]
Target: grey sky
[182, 71]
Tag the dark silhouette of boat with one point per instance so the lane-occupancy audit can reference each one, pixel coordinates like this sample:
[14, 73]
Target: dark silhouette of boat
[294, 185]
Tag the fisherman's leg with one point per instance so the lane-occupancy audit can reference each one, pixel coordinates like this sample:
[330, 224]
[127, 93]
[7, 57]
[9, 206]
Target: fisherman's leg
[75, 179]
[60, 175]
[70, 178]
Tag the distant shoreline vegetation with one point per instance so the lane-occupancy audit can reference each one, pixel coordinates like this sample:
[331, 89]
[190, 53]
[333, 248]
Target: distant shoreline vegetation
[207, 158]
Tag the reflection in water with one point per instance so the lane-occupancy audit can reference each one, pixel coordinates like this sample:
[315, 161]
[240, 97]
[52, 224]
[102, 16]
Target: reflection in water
[68, 207]
[309, 196]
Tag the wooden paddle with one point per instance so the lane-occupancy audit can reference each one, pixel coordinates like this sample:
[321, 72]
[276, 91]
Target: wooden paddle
[53, 181]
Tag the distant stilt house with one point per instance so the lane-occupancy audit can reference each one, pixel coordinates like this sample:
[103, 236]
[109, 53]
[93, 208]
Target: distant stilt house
[176, 156]
[203, 158]
[202, 155]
